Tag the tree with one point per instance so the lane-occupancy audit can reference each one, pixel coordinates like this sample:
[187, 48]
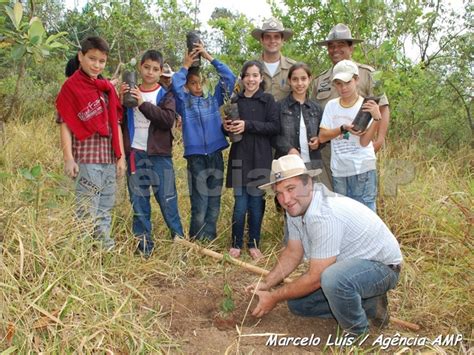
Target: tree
[26, 41]
[232, 40]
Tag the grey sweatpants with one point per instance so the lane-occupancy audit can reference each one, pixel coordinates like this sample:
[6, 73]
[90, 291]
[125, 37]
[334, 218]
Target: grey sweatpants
[95, 198]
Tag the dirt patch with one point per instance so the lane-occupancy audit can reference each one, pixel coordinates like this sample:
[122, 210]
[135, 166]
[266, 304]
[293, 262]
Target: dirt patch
[192, 307]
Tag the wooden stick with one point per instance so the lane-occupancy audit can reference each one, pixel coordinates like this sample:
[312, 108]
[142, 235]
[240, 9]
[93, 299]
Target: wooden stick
[404, 323]
[213, 254]
[260, 271]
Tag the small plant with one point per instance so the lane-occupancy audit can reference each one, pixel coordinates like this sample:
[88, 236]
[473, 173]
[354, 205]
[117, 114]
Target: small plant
[33, 175]
[227, 305]
[131, 65]
[230, 110]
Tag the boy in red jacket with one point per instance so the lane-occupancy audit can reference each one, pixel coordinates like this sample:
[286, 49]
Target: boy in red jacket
[88, 112]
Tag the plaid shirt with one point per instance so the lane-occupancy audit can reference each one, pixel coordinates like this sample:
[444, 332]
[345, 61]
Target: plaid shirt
[95, 149]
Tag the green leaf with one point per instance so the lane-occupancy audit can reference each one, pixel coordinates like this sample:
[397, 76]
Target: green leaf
[35, 40]
[26, 173]
[227, 290]
[55, 45]
[36, 31]
[227, 305]
[18, 51]
[15, 14]
[36, 171]
[52, 38]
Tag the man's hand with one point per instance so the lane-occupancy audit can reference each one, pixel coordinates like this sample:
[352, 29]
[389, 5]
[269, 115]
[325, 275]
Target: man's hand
[71, 168]
[266, 303]
[259, 286]
[121, 167]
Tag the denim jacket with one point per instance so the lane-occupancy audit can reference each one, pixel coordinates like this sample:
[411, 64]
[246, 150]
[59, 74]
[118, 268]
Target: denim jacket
[290, 113]
[202, 133]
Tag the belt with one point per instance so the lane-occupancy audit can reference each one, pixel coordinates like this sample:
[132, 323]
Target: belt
[396, 268]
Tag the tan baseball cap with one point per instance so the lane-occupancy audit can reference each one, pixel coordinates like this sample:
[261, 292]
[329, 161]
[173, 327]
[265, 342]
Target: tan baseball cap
[344, 70]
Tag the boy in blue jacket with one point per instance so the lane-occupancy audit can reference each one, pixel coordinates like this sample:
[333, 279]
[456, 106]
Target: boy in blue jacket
[203, 139]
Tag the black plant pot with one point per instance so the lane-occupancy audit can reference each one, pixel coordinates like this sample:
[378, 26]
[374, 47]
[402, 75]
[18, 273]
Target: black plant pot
[193, 37]
[362, 120]
[231, 111]
[130, 78]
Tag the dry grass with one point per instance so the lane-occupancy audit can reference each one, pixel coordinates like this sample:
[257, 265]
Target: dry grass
[60, 294]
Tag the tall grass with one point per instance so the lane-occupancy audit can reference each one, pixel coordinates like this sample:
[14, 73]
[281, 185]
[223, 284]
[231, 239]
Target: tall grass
[60, 294]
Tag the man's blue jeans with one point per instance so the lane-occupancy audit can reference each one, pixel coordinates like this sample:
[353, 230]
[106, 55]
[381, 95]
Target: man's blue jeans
[349, 291]
[157, 173]
[248, 200]
[361, 187]
[205, 180]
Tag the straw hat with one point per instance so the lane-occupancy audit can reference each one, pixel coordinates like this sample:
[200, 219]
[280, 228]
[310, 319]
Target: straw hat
[286, 167]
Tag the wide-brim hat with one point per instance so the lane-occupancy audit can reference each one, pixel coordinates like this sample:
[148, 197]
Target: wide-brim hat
[271, 25]
[340, 32]
[167, 71]
[286, 167]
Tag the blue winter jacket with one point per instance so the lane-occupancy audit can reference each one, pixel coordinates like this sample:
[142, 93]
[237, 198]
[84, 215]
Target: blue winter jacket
[202, 133]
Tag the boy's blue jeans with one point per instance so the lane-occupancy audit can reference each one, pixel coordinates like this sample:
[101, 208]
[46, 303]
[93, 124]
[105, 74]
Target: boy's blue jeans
[95, 198]
[248, 200]
[205, 180]
[361, 187]
[349, 291]
[157, 173]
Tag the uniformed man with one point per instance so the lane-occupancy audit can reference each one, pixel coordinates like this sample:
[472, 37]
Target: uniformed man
[340, 45]
[272, 36]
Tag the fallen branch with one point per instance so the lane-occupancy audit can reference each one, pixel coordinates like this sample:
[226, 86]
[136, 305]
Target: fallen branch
[260, 271]
[218, 256]
[404, 323]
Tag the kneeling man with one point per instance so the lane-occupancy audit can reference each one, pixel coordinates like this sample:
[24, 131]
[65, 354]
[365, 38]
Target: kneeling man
[353, 257]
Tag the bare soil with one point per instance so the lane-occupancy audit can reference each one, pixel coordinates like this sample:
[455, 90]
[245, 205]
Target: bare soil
[192, 309]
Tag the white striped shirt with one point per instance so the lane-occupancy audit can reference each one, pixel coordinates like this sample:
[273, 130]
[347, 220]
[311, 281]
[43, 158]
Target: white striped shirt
[335, 225]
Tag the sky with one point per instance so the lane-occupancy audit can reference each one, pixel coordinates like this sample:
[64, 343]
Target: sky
[259, 8]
